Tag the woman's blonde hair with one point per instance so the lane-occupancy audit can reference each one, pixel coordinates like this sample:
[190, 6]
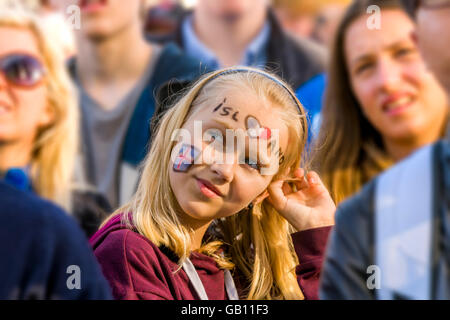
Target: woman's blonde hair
[55, 148]
[258, 241]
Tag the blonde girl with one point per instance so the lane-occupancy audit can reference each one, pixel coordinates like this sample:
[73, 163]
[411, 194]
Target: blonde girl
[254, 227]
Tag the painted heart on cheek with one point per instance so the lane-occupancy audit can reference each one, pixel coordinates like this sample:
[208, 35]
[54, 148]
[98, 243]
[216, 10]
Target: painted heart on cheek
[255, 130]
[265, 134]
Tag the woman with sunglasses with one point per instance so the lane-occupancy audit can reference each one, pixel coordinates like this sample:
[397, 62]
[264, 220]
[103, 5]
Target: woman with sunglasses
[212, 218]
[382, 102]
[39, 117]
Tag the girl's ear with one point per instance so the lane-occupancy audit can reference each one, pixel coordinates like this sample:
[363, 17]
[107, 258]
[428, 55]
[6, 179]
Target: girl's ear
[261, 197]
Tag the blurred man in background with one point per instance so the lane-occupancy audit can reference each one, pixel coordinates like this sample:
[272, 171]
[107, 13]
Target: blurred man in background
[224, 33]
[297, 17]
[327, 20]
[162, 20]
[118, 73]
[314, 19]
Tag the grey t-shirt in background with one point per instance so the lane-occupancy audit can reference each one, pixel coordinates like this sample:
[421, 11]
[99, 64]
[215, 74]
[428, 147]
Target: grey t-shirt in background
[104, 133]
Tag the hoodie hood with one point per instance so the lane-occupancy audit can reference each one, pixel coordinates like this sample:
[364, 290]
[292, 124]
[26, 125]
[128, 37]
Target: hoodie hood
[200, 261]
[113, 224]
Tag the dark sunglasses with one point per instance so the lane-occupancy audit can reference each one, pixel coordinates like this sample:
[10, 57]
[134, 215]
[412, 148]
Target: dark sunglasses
[22, 70]
[411, 6]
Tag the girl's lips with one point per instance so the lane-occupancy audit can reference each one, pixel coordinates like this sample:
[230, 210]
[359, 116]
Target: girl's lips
[207, 189]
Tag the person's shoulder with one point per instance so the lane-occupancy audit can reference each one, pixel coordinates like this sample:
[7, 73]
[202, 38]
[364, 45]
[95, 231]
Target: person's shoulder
[360, 208]
[310, 48]
[127, 243]
[90, 208]
[177, 63]
[304, 51]
[127, 255]
[357, 208]
[46, 237]
[27, 209]
[35, 218]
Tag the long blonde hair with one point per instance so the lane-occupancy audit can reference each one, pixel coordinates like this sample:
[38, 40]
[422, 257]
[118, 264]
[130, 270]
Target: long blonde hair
[55, 148]
[258, 240]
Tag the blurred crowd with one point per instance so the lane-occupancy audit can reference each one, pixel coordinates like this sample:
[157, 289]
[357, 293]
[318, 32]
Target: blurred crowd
[89, 93]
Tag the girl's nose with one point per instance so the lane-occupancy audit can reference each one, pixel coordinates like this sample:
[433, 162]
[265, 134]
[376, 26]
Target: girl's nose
[224, 171]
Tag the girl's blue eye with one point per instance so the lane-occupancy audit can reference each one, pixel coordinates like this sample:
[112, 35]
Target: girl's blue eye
[213, 135]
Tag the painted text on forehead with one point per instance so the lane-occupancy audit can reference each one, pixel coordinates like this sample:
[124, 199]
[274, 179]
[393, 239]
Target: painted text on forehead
[226, 111]
[255, 130]
[250, 122]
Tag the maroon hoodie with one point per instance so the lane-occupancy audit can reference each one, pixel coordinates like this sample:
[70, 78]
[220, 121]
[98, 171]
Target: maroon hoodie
[138, 269]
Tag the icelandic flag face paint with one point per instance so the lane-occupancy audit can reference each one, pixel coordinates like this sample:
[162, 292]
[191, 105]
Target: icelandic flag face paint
[185, 158]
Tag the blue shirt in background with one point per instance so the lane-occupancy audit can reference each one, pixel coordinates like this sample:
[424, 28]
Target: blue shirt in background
[255, 54]
[311, 95]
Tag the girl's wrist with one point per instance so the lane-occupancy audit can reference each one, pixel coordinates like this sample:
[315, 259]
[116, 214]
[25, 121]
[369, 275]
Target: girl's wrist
[311, 224]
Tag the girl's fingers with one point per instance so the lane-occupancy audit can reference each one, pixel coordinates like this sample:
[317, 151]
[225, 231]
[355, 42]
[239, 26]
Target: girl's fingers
[287, 189]
[316, 185]
[314, 179]
[309, 185]
[299, 179]
[277, 195]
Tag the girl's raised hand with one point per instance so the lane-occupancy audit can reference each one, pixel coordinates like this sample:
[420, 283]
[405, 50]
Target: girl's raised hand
[308, 207]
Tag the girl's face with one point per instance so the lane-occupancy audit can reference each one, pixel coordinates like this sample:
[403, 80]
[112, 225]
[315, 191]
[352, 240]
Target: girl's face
[23, 110]
[218, 187]
[396, 92]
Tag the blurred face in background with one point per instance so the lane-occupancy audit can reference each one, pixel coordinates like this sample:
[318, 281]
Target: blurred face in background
[326, 23]
[231, 10]
[105, 18]
[433, 31]
[397, 93]
[24, 109]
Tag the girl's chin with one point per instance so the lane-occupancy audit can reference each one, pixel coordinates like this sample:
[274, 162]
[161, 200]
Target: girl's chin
[203, 212]
[199, 212]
